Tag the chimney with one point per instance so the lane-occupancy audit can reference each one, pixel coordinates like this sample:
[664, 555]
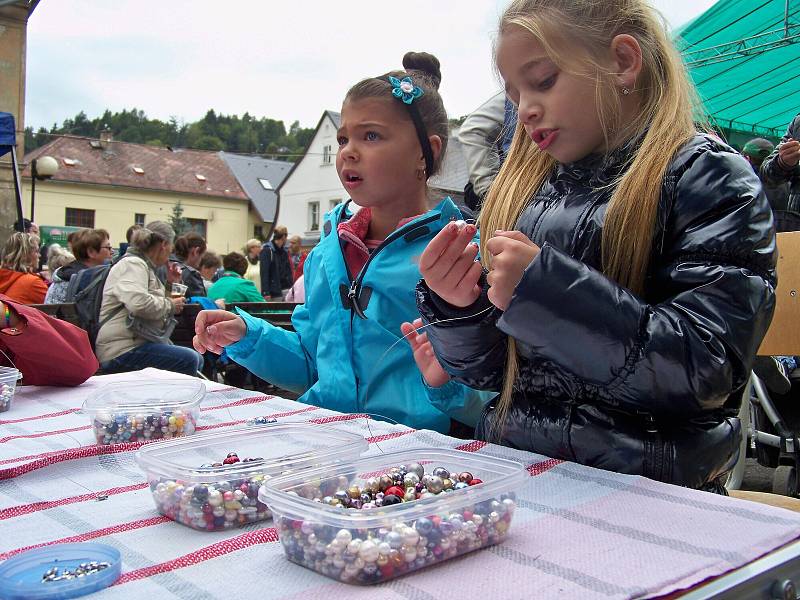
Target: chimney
[106, 137]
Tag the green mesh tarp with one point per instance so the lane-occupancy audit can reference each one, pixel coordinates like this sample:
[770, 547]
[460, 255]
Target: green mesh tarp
[746, 64]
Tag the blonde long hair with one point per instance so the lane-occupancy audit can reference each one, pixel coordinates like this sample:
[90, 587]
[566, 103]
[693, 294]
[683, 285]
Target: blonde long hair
[574, 33]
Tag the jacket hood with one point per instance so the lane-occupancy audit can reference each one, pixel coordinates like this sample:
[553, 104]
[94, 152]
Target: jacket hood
[66, 272]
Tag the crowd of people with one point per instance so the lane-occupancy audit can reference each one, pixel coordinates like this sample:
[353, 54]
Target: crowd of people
[605, 308]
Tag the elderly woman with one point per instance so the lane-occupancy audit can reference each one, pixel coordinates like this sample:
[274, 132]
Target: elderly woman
[91, 247]
[253, 273]
[18, 276]
[136, 309]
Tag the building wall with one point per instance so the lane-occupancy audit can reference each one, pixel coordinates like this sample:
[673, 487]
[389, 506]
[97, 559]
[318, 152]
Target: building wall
[13, 36]
[229, 222]
[313, 181]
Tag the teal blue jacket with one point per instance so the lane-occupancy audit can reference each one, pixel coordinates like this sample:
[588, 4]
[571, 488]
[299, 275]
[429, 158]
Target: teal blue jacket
[341, 361]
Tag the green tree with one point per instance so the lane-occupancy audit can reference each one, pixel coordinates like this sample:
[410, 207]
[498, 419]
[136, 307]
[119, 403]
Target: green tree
[179, 223]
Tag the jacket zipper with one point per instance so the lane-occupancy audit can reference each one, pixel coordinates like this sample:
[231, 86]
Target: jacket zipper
[355, 284]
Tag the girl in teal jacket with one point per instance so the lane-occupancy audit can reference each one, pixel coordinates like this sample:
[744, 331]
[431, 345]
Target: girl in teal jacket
[347, 352]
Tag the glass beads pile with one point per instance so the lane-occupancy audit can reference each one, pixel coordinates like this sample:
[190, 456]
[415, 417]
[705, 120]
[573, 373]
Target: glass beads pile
[213, 506]
[110, 428]
[6, 395]
[82, 570]
[398, 484]
[375, 554]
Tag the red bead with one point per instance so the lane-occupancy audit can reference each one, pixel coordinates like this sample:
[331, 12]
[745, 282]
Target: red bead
[475, 482]
[387, 571]
[467, 515]
[231, 460]
[395, 490]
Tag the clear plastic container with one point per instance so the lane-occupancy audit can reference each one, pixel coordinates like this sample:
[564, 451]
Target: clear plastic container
[8, 385]
[374, 544]
[135, 411]
[191, 483]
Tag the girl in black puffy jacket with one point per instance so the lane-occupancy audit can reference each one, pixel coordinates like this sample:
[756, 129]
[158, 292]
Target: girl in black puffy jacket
[628, 261]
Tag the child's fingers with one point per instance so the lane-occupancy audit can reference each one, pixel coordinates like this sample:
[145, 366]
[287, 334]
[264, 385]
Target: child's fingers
[461, 266]
[450, 256]
[514, 235]
[442, 243]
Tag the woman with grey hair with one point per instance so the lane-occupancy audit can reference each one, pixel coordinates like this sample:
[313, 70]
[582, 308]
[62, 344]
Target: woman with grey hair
[19, 279]
[136, 308]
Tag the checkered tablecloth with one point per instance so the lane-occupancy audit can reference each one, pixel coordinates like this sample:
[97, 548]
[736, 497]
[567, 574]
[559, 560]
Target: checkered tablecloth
[578, 532]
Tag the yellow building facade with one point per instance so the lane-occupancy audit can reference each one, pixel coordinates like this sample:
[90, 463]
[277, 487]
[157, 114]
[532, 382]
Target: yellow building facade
[228, 222]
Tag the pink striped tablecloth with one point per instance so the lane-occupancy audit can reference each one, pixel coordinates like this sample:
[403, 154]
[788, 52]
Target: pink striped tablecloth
[578, 532]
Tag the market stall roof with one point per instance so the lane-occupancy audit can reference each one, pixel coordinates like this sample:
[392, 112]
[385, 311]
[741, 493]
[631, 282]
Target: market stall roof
[744, 57]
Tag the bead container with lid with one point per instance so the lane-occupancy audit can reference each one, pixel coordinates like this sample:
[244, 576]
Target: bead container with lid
[210, 482]
[134, 411]
[388, 515]
[8, 385]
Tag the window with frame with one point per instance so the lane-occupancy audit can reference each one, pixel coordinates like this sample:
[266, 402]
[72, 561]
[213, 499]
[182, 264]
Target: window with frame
[334, 204]
[79, 217]
[138, 219]
[313, 216]
[199, 226]
[258, 232]
[327, 152]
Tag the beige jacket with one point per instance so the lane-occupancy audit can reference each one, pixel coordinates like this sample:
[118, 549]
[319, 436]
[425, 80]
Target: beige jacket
[132, 283]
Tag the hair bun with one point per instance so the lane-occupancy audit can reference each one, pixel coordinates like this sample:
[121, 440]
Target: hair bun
[427, 63]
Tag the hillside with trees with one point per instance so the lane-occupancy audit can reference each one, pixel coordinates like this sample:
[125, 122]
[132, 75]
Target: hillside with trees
[246, 134]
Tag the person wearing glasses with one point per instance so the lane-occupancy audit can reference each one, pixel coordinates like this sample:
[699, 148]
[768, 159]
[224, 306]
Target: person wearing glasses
[91, 247]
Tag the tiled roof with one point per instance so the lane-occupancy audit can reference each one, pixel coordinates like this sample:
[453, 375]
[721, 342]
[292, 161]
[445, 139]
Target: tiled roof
[251, 171]
[140, 166]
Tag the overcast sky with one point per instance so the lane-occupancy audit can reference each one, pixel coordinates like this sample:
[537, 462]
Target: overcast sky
[283, 60]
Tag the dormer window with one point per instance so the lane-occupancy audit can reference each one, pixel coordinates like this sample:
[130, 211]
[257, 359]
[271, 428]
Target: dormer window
[70, 162]
[265, 184]
[200, 177]
[138, 170]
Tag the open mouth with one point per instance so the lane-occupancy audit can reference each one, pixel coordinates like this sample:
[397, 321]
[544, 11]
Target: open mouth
[544, 137]
[352, 178]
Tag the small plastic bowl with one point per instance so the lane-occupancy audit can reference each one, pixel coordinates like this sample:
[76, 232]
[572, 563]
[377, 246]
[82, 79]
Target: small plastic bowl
[8, 386]
[192, 484]
[133, 411]
[366, 546]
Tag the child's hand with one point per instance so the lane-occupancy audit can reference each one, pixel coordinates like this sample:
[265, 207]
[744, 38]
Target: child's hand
[215, 329]
[449, 267]
[511, 252]
[789, 152]
[426, 360]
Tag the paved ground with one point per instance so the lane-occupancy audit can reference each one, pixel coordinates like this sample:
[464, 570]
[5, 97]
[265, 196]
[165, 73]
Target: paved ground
[756, 477]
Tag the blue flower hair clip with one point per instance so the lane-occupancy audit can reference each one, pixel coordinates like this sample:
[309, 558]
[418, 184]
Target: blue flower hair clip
[405, 89]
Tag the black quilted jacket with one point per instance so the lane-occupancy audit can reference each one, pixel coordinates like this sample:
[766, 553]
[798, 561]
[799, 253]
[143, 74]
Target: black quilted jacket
[649, 384]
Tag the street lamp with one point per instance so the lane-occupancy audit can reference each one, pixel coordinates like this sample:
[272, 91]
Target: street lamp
[43, 167]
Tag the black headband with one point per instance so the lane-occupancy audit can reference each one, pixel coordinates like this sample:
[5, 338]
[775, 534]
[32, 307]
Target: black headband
[405, 90]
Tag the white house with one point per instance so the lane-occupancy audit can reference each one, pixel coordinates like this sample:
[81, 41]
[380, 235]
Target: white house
[312, 187]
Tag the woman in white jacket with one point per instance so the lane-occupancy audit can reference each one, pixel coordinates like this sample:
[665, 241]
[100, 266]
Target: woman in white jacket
[134, 292]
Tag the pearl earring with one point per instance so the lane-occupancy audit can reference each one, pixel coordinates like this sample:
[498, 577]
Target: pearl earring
[625, 91]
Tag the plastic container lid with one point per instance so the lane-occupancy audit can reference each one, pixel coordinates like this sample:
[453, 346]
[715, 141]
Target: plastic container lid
[138, 396]
[21, 576]
[280, 447]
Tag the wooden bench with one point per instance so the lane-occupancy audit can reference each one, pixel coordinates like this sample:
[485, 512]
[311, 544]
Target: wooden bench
[64, 312]
[277, 313]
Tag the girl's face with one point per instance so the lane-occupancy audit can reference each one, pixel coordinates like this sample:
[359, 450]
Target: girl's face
[254, 251]
[379, 154]
[558, 109]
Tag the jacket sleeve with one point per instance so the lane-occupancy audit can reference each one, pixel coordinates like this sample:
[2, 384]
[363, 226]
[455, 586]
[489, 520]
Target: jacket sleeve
[132, 290]
[264, 268]
[284, 358]
[459, 401]
[479, 134]
[193, 281]
[773, 171]
[711, 298]
[50, 351]
[466, 341]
